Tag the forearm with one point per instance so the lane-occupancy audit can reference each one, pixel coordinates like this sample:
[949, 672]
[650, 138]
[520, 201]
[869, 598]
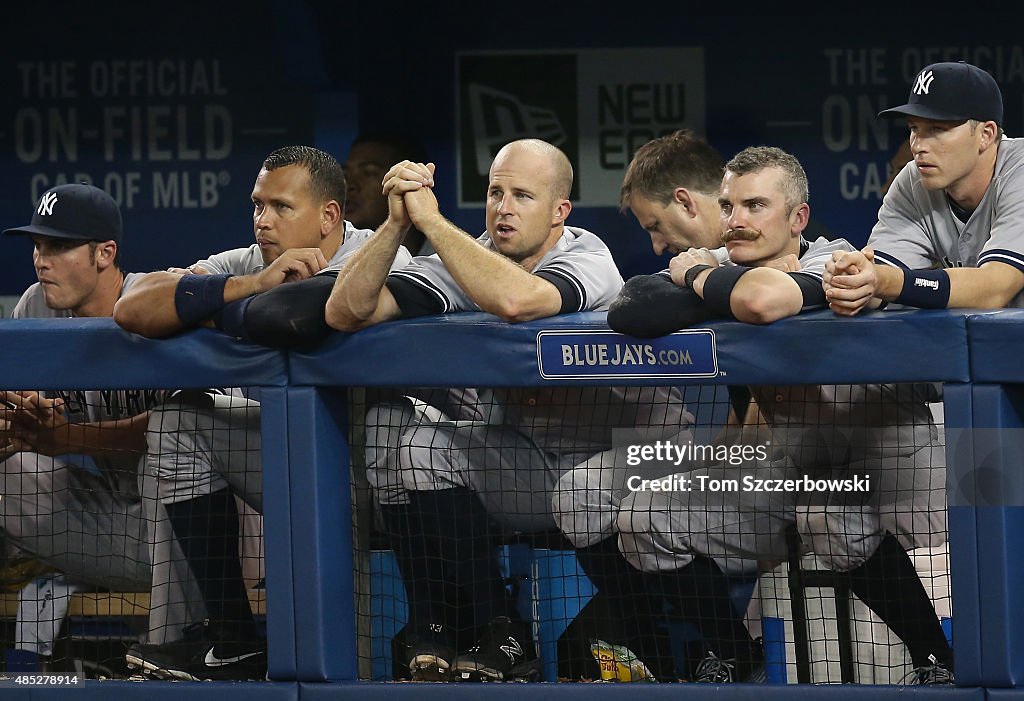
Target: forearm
[496, 284]
[150, 309]
[357, 297]
[992, 286]
[102, 438]
[764, 295]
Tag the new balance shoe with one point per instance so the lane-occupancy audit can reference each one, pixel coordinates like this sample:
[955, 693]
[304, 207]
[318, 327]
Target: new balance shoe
[430, 652]
[617, 663]
[749, 668]
[934, 673]
[504, 652]
[205, 653]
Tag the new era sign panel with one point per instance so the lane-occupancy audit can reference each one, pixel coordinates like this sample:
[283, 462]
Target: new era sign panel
[597, 105]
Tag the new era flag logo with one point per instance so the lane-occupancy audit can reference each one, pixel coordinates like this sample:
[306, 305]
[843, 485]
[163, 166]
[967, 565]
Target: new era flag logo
[923, 82]
[46, 204]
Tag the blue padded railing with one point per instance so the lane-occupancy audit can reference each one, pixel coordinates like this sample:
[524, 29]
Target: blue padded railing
[311, 618]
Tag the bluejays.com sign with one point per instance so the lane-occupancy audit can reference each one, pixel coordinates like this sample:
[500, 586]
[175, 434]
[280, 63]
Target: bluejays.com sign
[583, 355]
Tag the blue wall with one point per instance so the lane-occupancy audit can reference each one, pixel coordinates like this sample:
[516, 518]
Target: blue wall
[274, 73]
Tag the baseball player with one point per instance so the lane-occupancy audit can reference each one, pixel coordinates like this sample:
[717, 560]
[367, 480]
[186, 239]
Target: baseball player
[204, 449]
[948, 229]
[90, 524]
[671, 187]
[447, 487]
[684, 540]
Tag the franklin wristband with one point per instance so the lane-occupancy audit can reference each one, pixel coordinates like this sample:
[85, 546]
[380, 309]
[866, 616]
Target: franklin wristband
[690, 276]
[199, 297]
[718, 286]
[925, 289]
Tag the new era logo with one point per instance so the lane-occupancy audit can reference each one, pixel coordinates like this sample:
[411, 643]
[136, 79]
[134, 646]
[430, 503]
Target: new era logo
[499, 117]
[46, 204]
[923, 82]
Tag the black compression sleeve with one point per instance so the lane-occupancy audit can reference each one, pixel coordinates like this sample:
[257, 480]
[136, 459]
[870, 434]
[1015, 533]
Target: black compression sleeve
[718, 287]
[290, 315]
[811, 289]
[231, 318]
[651, 305]
[412, 299]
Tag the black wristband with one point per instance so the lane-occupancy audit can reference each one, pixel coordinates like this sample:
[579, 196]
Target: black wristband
[810, 289]
[926, 289]
[199, 297]
[718, 288]
[691, 275]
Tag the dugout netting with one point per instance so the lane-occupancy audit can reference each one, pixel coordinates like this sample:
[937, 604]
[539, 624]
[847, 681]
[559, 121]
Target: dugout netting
[93, 562]
[608, 519]
[553, 468]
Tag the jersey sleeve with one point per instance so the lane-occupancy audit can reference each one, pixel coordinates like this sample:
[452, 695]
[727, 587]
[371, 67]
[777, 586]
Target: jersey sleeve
[414, 298]
[900, 237]
[591, 275]
[812, 266]
[425, 286]
[1006, 243]
[237, 261]
[21, 309]
[820, 252]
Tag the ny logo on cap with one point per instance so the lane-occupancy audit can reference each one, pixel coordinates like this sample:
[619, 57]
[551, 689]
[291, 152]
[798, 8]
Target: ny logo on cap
[46, 203]
[923, 82]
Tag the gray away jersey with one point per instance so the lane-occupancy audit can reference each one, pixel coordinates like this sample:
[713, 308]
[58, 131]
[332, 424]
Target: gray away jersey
[565, 420]
[244, 261]
[578, 258]
[891, 419]
[916, 228]
[96, 405]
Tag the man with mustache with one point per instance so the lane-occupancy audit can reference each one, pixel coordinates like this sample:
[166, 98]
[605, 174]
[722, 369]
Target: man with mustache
[671, 187]
[684, 541]
[948, 232]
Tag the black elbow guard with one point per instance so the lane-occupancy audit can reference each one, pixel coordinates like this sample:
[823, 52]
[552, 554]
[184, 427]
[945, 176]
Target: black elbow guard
[651, 305]
[290, 316]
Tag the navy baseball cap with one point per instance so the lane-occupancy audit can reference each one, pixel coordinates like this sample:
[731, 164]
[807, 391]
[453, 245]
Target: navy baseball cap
[75, 211]
[952, 92]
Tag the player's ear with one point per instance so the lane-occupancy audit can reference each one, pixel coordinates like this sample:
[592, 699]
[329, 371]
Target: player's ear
[683, 197]
[106, 252]
[331, 215]
[799, 217]
[989, 134]
[561, 213]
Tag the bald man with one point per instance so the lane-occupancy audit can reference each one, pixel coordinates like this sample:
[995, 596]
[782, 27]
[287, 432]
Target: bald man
[447, 488]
